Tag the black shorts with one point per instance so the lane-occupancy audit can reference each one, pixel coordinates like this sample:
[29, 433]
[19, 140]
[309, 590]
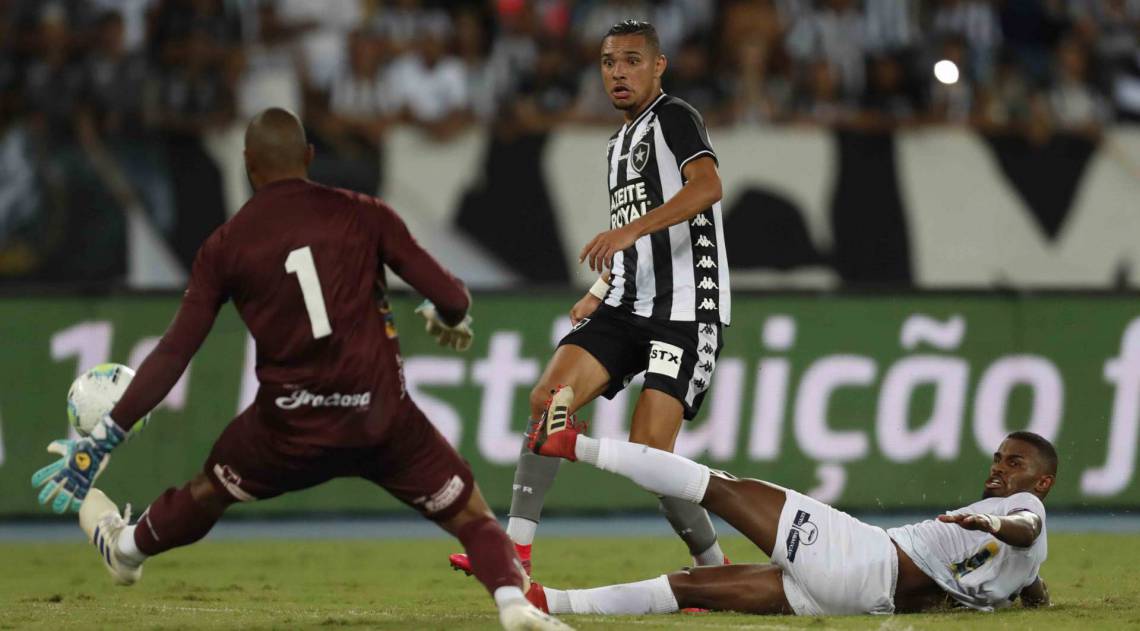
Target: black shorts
[678, 358]
[251, 461]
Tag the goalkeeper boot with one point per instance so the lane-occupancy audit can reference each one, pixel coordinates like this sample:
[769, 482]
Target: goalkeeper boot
[523, 616]
[461, 563]
[100, 519]
[558, 432]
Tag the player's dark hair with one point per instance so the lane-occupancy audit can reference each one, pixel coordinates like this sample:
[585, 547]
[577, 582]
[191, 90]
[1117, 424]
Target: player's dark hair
[1044, 448]
[636, 27]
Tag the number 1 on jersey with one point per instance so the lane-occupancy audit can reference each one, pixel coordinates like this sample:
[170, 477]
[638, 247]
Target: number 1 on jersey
[300, 262]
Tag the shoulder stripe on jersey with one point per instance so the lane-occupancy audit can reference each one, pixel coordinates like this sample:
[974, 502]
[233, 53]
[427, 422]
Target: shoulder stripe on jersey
[696, 155]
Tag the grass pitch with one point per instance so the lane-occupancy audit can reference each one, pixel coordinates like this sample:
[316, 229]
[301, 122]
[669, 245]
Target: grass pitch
[407, 585]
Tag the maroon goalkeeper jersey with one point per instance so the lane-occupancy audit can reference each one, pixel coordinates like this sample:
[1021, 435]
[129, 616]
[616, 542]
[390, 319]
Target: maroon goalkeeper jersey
[304, 266]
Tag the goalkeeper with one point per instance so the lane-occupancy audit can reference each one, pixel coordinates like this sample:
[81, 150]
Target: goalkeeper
[304, 265]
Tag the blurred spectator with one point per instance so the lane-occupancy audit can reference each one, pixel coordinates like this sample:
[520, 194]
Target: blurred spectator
[205, 29]
[888, 101]
[820, 97]
[666, 15]
[1007, 100]
[545, 96]
[428, 88]
[113, 125]
[758, 94]
[323, 26]
[403, 22]
[953, 102]
[1111, 27]
[514, 50]
[833, 32]
[348, 131]
[134, 16]
[745, 22]
[891, 25]
[472, 48]
[1030, 29]
[975, 23]
[692, 78]
[1075, 106]
[53, 86]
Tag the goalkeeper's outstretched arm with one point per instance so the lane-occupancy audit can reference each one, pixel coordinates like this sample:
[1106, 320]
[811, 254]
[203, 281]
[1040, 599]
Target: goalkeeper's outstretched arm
[166, 363]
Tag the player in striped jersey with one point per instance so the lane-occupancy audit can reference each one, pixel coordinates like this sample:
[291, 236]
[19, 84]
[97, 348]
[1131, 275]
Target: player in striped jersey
[662, 301]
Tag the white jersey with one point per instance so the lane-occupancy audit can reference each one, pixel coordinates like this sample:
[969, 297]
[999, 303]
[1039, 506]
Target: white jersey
[974, 567]
[681, 272]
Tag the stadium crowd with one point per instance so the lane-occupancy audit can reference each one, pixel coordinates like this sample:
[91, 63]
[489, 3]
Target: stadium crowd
[103, 98]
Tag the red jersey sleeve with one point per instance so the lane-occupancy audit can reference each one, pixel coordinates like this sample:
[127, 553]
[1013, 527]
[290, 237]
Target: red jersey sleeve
[403, 255]
[205, 294]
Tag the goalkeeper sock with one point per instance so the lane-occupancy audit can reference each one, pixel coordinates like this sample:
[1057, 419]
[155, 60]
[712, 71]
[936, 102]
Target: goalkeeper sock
[644, 597]
[127, 547]
[174, 519]
[654, 470]
[492, 555]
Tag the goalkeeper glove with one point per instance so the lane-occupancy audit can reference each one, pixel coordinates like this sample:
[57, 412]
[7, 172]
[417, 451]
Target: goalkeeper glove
[66, 482]
[457, 337]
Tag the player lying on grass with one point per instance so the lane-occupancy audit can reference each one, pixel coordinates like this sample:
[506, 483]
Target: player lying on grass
[304, 265]
[824, 562]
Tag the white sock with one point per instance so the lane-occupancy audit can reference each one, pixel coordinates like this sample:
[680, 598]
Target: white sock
[521, 530]
[713, 556]
[127, 548]
[654, 470]
[508, 594]
[645, 597]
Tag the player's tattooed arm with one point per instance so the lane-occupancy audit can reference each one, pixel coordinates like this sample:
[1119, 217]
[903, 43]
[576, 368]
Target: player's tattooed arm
[1020, 528]
[702, 189]
[1036, 594]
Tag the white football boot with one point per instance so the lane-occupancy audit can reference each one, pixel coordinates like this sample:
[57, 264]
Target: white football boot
[523, 616]
[100, 519]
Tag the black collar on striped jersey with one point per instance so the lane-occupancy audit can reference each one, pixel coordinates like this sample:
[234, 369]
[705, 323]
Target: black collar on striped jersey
[645, 111]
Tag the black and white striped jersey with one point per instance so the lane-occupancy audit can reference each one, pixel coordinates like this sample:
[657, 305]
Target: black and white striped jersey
[679, 273]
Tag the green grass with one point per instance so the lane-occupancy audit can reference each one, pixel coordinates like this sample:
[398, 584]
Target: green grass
[407, 585]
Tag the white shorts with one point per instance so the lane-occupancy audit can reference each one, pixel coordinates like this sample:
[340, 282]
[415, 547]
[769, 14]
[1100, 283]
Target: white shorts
[833, 563]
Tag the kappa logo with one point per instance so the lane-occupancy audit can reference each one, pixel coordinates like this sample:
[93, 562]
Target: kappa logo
[707, 349]
[708, 304]
[706, 283]
[707, 329]
[705, 366]
[664, 359]
[701, 221]
[704, 242]
[802, 531]
[705, 263]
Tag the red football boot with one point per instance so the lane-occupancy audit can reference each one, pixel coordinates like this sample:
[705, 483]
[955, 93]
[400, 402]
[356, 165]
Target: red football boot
[537, 597]
[461, 563]
[557, 432]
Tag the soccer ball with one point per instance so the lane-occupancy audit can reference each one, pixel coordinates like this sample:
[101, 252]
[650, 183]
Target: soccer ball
[95, 393]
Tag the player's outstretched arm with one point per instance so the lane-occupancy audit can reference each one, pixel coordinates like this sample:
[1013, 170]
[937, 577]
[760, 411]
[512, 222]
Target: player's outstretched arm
[1019, 528]
[406, 257]
[1036, 595]
[702, 189]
